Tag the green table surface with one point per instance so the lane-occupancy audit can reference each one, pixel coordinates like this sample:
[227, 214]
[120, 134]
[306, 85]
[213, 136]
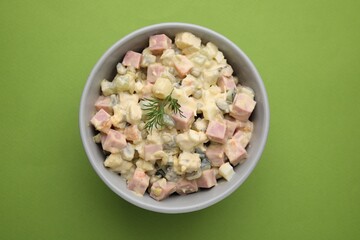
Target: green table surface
[307, 183]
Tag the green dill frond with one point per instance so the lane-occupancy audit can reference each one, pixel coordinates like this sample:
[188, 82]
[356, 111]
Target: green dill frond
[156, 109]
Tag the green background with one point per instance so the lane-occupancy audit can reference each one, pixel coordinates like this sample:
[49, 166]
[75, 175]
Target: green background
[307, 183]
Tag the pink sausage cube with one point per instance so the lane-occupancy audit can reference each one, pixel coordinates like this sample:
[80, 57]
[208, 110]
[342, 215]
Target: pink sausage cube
[215, 154]
[242, 137]
[104, 103]
[238, 135]
[183, 65]
[226, 83]
[160, 191]
[103, 138]
[132, 133]
[183, 122]
[132, 59]
[216, 131]
[235, 152]
[242, 107]
[114, 142]
[231, 126]
[101, 121]
[158, 43]
[154, 71]
[150, 149]
[185, 186]
[207, 179]
[139, 182]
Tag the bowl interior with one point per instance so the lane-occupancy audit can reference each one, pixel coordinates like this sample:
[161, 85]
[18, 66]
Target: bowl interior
[106, 68]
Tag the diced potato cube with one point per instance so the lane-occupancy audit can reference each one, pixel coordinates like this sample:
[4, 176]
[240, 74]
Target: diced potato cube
[162, 88]
[134, 113]
[115, 162]
[145, 165]
[200, 124]
[210, 111]
[121, 69]
[126, 99]
[119, 116]
[188, 140]
[167, 57]
[198, 59]
[128, 152]
[147, 59]
[107, 87]
[226, 171]
[138, 87]
[210, 50]
[211, 76]
[187, 42]
[124, 82]
[227, 71]
[219, 57]
[188, 162]
[188, 84]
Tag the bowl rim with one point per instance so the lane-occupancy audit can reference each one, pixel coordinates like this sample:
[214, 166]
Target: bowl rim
[196, 206]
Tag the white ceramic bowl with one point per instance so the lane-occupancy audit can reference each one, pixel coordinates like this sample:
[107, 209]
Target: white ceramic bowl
[243, 68]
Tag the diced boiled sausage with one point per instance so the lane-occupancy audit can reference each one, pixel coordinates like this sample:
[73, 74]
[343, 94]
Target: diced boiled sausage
[104, 103]
[231, 126]
[159, 43]
[101, 121]
[207, 179]
[183, 122]
[162, 189]
[132, 59]
[132, 133]
[182, 65]
[242, 137]
[139, 182]
[114, 142]
[184, 186]
[235, 152]
[226, 83]
[154, 71]
[242, 107]
[215, 154]
[216, 131]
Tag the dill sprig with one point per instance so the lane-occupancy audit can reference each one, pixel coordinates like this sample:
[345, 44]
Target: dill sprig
[156, 110]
